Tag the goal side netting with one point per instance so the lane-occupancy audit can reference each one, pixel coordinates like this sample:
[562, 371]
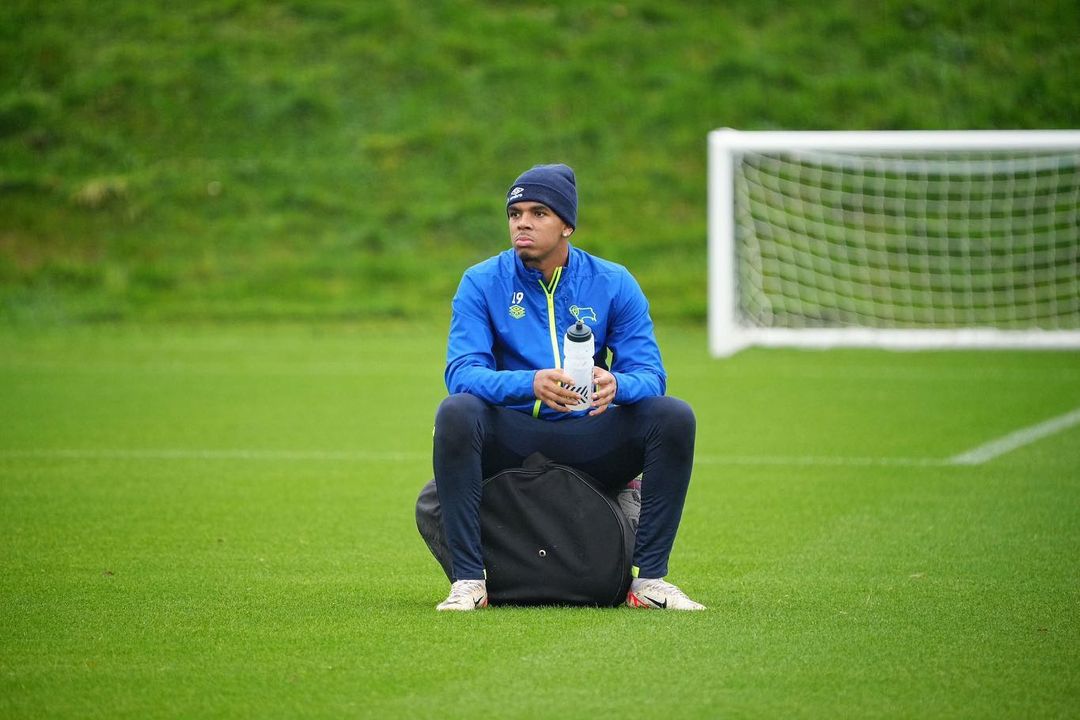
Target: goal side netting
[894, 239]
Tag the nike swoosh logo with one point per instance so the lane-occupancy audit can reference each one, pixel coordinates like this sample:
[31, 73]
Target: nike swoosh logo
[477, 601]
[657, 603]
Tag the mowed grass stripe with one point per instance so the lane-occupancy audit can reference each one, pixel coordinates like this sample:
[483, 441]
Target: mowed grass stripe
[977, 456]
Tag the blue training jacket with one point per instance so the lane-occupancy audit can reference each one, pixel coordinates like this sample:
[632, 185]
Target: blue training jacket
[507, 324]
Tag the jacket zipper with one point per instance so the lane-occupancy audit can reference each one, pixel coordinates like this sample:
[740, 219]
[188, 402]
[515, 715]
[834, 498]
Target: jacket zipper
[549, 292]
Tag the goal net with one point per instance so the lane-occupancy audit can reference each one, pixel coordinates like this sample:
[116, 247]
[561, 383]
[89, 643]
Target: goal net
[894, 239]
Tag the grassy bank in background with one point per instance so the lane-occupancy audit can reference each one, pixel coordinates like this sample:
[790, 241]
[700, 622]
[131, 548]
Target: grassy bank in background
[240, 160]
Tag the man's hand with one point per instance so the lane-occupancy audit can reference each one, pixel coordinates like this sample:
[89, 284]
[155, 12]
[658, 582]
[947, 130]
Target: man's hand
[604, 390]
[552, 387]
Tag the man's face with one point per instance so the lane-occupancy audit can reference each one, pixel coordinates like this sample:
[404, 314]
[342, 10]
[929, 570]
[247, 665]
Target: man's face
[537, 234]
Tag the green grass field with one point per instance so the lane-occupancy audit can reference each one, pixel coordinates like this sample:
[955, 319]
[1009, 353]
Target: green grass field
[218, 522]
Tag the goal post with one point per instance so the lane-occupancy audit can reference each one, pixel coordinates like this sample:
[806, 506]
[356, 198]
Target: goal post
[898, 239]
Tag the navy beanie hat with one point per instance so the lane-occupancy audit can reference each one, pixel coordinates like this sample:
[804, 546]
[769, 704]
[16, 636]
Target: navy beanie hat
[552, 185]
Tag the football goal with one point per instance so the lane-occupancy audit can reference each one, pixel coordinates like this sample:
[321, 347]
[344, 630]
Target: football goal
[902, 239]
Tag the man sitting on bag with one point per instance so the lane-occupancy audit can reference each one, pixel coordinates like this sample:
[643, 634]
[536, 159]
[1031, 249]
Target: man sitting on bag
[509, 396]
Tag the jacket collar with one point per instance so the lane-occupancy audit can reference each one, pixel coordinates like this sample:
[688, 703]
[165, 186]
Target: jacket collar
[531, 275]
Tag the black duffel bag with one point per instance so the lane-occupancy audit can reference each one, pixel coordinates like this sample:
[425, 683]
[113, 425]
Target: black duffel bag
[550, 535]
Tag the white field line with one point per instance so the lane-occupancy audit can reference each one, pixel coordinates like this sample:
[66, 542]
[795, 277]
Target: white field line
[816, 460]
[976, 456]
[362, 456]
[1024, 436]
[166, 454]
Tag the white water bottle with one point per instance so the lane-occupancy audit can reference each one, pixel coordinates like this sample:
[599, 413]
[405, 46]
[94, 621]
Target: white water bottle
[578, 349]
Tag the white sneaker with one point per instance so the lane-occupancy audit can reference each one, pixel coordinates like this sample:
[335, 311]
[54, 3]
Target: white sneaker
[655, 593]
[465, 595]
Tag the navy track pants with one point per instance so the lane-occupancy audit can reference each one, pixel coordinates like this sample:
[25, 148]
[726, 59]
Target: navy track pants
[475, 440]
